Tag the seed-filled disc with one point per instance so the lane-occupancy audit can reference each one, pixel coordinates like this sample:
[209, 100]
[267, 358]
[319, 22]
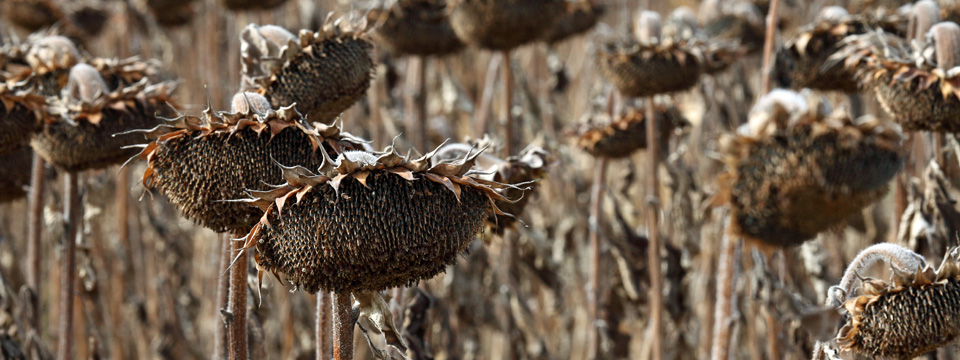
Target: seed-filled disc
[919, 97]
[15, 174]
[324, 73]
[85, 127]
[370, 221]
[797, 174]
[172, 12]
[201, 163]
[627, 134]
[579, 17]
[907, 317]
[641, 70]
[415, 27]
[503, 24]
[804, 59]
[32, 15]
[19, 118]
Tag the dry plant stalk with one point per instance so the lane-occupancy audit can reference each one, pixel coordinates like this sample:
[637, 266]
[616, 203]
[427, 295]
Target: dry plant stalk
[68, 265]
[323, 326]
[34, 236]
[237, 305]
[593, 283]
[342, 327]
[653, 214]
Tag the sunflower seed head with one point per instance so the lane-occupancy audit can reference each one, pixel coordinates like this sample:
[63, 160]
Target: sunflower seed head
[924, 14]
[946, 37]
[85, 83]
[647, 27]
[245, 101]
[775, 110]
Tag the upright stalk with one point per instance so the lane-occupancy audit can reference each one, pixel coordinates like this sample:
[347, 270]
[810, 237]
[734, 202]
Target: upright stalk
[593, 282]
[653, 214]
[509, 142]
[768, 59]
[220, 346]
[415, 102]
[237, 326]
[323, 325]
[376, 127]
[722, 322]
[34, 231]
[342, 327]
[68, 265]
[482, 118]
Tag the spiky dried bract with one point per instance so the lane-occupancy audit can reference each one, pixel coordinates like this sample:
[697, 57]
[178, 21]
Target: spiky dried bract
[579, 17]
[641, 70]
[526, 168]
[15, 174]
[909, 83]
[503, 24]
[804, 59]
[84, 127]
[324, 73]
[904, 318]
[370, 221]
[627, 134]
[19, 117]
[797, 173]
[415, 27]
[200, 163]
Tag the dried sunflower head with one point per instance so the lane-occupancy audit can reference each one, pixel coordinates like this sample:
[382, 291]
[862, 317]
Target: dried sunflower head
[907, 316]
[323, 72]
[918, 81]
[580, 16]
[84, 127]
[503, 24]
[19, 116]
[741, 22]
[200, 163]
[794, 171]
[803, 60]
[650, 64]
[15, 174]
[627, 134]
[32, 15]
[415, 27]
[368, 221]
[526, 169]
[172, 12]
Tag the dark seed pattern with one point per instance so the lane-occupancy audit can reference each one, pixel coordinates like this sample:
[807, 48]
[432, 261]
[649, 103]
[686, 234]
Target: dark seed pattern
[83, 146]
[198, 174]
[16, 126]
[326, 81]
[504, 24]
[918, 110]
[627, 134]
[641, 71]
[793, 185]
[15, 174]
[578, 18]
[391, 232]
[416, 27]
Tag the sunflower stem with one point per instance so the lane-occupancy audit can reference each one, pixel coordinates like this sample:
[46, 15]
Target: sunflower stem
[415, 102]
[726, 277]
[323, 325]
[509, 142]
[71, 210]
[653, 214]
[34, 231]
[768, 60]
[342, 327]
[237, 304]
[220, 345]
[593, 283]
